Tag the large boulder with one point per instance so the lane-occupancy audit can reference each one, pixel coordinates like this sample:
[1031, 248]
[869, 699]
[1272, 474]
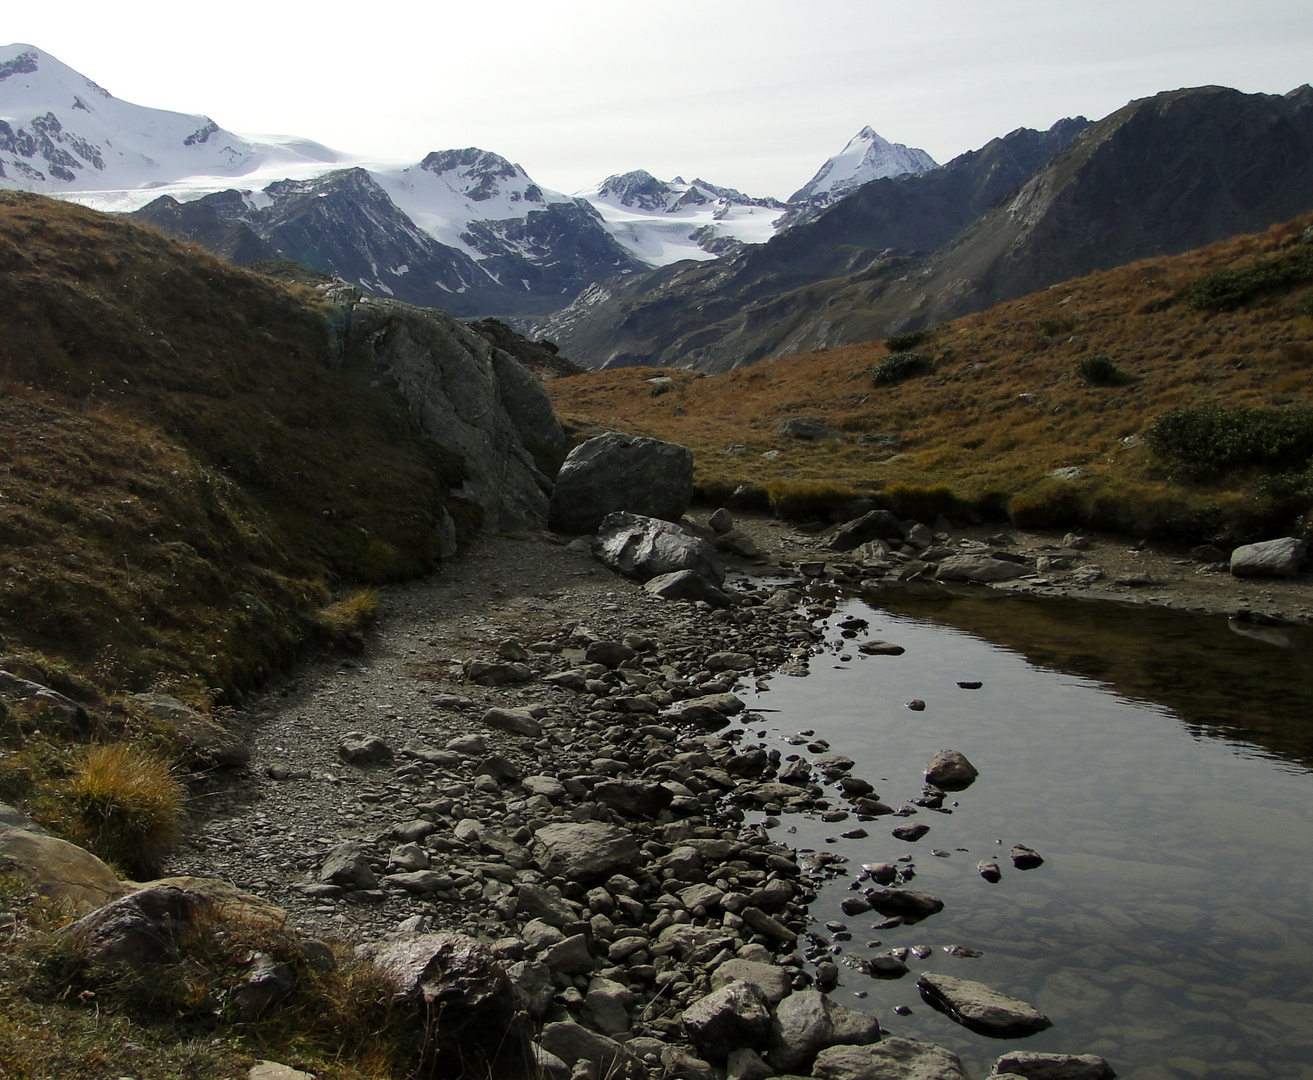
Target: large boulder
[645, 547]
[488, 416]
[981, 1008]
[621, 472]
[1272, 558]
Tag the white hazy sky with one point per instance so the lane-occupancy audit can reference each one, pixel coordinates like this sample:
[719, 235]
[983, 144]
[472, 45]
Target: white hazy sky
[754, 95]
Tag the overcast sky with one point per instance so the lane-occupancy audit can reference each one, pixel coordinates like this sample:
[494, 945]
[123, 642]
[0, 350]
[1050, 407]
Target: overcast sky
[754, 95]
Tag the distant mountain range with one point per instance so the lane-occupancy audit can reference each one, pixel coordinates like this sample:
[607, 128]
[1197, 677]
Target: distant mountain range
[465, 230]
[638, 270]
[1159, 176]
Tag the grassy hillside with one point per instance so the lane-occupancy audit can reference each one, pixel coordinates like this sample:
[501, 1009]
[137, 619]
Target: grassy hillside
[974, 417]
[193, 485]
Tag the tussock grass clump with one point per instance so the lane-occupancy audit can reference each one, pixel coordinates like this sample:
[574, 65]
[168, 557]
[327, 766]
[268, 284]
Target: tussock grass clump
[898, 367]
[1100, 371]
[345, 621]
[129, 806]
[809, 500]
[1207, 442]
[1226, 290]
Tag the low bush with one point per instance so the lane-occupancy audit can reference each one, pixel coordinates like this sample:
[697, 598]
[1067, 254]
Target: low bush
[926, 503]
[898, 366]
[897, 343]
[808, 500]
[129, 807]
[1100, 371]
[1226, 290]
[1207, 442]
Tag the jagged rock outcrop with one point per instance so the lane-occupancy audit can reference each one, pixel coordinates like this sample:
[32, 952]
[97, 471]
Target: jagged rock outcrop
[490, 422]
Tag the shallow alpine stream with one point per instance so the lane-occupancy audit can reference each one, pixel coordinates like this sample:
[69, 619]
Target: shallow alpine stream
[1160, 762]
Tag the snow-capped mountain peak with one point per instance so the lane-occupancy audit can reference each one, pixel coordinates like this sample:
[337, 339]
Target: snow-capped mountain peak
[60, 132]
[867, 157]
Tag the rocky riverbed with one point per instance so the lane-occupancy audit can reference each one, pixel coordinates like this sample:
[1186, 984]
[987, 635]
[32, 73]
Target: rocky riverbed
[538, 753]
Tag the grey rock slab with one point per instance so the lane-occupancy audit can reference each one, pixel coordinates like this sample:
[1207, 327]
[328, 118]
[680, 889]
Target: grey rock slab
[737, 1015]
[875, 525]
[497, 673]
[950, 770]
[347, 866]
[746, 1064]
[569, 957]
[514, 722]
[138, 930]
[981, 1008]
[808, 1022]
[981, 569]
[618, 472]
[547, 786]
[892, 1059]
[635, 798]
[419, 881]
[607, 1005]
[574, 1044]
[360, 749]
[532, 980]
[911, 904]
[1271, 558]
[773, 982]
[686, 585]
[643, 547]
[678, 1063]
[1036, 1066]
[584, 851]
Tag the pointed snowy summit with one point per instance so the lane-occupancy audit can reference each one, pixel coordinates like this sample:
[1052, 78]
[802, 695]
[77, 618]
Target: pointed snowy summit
[867, 157]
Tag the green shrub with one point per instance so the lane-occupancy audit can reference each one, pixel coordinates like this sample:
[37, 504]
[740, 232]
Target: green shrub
[1100, 371]
[1208, 441]
[898, 366]
[897, 343]
[1226, 290]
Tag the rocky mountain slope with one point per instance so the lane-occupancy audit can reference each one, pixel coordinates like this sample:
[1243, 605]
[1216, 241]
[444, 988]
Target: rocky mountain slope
[1160, 176]
[718, 316]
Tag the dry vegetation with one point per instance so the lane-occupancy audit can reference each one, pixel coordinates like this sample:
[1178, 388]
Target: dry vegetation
[1013, 393]
[194, 485]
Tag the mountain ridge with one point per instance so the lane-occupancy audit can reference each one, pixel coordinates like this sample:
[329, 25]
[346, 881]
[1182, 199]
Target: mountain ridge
[1161, 175]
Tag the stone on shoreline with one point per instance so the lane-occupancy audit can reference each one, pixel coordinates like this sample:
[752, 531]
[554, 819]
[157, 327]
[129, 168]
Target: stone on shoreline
[981, 1008]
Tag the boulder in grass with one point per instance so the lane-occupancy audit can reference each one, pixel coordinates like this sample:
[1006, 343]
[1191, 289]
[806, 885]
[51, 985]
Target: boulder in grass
[1272, 558]
[620, 472]
[462, 993]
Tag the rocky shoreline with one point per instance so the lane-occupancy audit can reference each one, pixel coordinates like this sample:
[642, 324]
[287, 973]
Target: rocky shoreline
[546, 757]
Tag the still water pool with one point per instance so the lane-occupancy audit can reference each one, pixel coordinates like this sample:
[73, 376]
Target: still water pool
[1160, 763]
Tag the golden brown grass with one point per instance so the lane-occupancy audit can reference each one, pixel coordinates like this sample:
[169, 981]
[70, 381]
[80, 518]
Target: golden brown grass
[129, 806]
[1004, 405]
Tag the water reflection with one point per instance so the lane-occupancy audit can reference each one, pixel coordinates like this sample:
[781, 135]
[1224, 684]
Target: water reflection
[1169, 928]
[1229, 679]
